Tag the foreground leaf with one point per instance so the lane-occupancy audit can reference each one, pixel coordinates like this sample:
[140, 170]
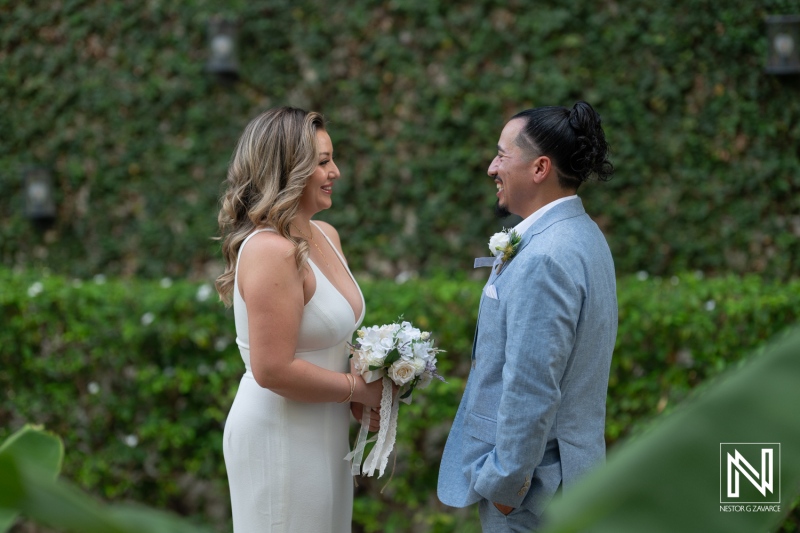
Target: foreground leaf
[669, 479]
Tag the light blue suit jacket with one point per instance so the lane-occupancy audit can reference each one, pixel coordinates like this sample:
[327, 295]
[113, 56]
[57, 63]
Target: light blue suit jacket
[532, 416]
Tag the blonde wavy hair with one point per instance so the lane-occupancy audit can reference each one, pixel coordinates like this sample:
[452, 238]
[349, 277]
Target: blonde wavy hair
[269, 169]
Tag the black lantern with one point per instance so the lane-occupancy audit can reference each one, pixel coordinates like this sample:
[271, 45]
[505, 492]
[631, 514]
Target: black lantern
[40, 204]
[222, 61]
[783, 32]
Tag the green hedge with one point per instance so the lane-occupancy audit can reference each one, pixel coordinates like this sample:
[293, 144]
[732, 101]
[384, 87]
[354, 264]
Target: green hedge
[113, 97]
[137, 377]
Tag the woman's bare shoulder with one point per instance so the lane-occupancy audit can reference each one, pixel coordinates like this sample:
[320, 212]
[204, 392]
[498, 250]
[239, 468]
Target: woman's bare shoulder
[268, 249]
[330, 231]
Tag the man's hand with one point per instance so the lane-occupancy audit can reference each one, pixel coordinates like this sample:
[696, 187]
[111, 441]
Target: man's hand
[505, 509]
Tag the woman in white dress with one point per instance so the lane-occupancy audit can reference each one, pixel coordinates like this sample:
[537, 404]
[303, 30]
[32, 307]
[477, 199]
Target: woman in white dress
[296, 305]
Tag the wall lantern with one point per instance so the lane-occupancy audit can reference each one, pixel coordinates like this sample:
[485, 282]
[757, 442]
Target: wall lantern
[222, 61]
[783, 32]
[40, 204]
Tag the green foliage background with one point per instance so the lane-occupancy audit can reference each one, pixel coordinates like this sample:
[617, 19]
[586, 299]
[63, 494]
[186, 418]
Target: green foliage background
[138, 376]
[113, 97]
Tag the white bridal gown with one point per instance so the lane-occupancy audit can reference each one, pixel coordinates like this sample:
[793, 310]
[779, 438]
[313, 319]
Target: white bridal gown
[285, 459]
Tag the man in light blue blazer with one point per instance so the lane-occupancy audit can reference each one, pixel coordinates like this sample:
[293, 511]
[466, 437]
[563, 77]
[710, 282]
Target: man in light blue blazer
[532, 417]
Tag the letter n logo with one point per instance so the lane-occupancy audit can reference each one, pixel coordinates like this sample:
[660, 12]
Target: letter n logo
[750, 472]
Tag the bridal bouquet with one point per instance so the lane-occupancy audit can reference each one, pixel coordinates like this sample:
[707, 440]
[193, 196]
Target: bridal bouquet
[402, 355]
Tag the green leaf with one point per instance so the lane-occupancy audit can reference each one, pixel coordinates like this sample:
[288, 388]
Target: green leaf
[29, 464]
[35, 448]
[669, 479]
[393, 356]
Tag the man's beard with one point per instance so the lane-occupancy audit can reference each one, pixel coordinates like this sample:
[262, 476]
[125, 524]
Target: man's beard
[501, 211]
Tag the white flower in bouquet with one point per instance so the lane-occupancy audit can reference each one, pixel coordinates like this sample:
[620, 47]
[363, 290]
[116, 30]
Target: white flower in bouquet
[424, 380]
[403, 355]
[375, 358]
[405, 350]
[402, 372]
[420, 365]
[422, 350]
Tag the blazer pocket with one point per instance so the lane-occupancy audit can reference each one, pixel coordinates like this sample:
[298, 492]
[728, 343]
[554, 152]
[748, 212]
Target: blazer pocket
[482, 428]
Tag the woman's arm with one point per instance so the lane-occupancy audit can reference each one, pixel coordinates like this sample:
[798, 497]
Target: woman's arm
[272, 288]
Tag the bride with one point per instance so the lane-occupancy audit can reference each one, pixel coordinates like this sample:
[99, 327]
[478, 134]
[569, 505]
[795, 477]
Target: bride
[296, 305]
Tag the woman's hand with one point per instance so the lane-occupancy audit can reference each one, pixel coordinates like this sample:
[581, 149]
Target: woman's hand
[374, 415]
[368, 394]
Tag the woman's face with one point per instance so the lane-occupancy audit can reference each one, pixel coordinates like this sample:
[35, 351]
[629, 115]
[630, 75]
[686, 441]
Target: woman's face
[319, 189]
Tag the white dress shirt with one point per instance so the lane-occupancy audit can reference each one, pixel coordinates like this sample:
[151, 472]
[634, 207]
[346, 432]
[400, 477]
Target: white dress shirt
[523, 226]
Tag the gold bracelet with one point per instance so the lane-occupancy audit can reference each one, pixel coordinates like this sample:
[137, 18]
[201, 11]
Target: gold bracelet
[352, 382]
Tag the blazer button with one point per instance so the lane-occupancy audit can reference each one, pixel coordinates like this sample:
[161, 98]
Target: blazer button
[521, 493]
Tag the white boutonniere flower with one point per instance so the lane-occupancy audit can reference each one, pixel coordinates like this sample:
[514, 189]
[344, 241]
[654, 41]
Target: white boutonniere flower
[504, 244]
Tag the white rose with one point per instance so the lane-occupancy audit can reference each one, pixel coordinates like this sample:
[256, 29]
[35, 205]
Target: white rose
[402, 372]
[360, 361]
[498, 243]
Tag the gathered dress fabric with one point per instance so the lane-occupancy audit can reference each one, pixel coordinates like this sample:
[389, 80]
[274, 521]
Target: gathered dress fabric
[285, 459]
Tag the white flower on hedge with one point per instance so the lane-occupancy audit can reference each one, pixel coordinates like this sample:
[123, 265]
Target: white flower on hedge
[711, 305]
[641, 275]
[148, 318]
[100, 279]
[93, 387]
[165, 283]
[203, 292]
[402, 372]
[35, 289]
[131, 440]
[220, 343]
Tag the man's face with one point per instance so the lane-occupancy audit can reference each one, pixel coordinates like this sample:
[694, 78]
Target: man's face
[511, 171]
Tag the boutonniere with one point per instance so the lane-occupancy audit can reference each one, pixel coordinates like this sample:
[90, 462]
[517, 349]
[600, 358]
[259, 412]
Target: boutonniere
[504, 244]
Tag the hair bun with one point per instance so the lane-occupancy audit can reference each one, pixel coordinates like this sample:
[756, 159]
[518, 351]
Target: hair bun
[591, 155]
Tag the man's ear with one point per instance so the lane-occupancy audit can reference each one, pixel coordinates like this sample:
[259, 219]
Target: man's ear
[540, 168]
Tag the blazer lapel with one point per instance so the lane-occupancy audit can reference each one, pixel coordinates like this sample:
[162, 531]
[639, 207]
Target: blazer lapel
[568, 209]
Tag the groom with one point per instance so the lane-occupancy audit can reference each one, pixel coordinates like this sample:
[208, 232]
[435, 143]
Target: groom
[532, 417]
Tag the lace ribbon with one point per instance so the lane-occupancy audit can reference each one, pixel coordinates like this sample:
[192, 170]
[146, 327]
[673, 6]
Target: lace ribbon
[384, 440]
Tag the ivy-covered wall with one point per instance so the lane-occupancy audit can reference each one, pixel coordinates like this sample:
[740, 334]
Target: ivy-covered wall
[113, 97]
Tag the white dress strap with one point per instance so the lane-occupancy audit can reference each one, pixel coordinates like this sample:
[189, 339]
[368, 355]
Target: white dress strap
[347, 268]
[336, 251]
